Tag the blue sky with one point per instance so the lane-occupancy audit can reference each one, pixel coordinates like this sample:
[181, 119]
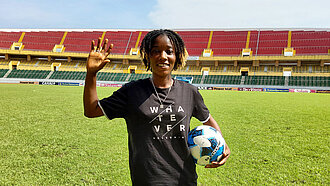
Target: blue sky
[174, 14]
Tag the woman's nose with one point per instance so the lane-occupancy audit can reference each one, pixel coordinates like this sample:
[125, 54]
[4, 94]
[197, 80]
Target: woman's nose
[163, 55]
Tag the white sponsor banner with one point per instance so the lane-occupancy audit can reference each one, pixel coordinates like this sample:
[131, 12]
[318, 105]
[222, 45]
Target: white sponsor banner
[300, 90]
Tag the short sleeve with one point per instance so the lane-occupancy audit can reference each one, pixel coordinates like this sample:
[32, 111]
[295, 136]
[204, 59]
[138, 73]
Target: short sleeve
[115, 105]
[200, 110]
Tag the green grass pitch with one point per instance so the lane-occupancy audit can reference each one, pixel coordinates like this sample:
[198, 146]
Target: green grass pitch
[275, 138]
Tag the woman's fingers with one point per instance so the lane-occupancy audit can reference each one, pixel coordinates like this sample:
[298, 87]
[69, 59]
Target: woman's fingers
[224, 159]
[97, 58]
[109, 50]
[105, 44]
[93, 46]
[99, 48]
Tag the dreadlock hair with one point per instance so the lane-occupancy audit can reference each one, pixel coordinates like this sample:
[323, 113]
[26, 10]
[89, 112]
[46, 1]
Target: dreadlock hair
[181, 53]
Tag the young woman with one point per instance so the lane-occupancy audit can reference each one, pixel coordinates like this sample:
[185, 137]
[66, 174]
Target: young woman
[157, 111]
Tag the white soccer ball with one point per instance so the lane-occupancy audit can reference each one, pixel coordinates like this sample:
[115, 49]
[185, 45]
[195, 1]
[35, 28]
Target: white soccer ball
[206, 144]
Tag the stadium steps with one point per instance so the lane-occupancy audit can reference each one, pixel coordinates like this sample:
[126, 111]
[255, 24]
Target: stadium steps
[242, 80]
[50, 74]
[286, 81]
[197, 79]
[127, 78]
[3, 72]
[202, 80]
[7, 73]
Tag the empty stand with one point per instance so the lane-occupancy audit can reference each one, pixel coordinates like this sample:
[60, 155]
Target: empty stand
[7, 39]
[29, 74]
[133, 40]
[123, 41]
[80, 41]
[223, 43]
[43, 65]
[102, 76]
[220, 79]
[195, 41]
[265, 80]
[268, 42]
[4, 64]
[217, 68]
[307, 71]
[41, 40]
[3, 72]
[138, 76]
[299, 81]
[143, 33]
[310, 42]
[309, 81]
[254, 39]
[73, 66]
[190, 68]
[25, 65]
[228, 42]
[72, 75]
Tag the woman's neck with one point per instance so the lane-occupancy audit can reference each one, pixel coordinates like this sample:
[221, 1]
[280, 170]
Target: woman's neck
[162, 82]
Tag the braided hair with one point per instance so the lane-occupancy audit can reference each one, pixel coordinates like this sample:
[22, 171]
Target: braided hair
[181, 53]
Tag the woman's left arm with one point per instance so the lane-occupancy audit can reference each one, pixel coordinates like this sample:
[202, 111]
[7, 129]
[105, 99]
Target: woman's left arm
[211, 122]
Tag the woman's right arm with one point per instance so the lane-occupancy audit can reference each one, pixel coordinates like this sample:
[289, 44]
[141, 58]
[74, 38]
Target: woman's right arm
[95, 62]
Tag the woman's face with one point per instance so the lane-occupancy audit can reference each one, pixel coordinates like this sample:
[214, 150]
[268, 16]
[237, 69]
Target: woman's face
[162, 56]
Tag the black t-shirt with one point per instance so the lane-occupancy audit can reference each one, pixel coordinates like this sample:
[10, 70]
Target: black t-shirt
[158, 151]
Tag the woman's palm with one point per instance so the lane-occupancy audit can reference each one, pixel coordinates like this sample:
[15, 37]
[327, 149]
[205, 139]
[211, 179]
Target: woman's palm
[97, 58]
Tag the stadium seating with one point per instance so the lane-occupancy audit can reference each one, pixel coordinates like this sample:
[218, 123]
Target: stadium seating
[4, 64]
[8, 38]
[216, 79]
[190, 68]
[138, 76]
[72, 75]
[41, 40]
[121, 40]
[29, 74]
[103, 76]
[228, 42]
[264, 80]
[310, 42]
[80, 41]
[224, 69]
[217, 68]
[3, 72]
[271, 42]
[223, 43]
[300, 81]
[195, 41]
[27, 65]
[309, 81]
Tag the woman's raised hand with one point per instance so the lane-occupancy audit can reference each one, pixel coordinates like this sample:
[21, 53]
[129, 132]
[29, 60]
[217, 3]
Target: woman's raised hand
[97, 58]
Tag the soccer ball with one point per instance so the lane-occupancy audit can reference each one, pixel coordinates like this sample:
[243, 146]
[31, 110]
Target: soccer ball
[206, 144]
